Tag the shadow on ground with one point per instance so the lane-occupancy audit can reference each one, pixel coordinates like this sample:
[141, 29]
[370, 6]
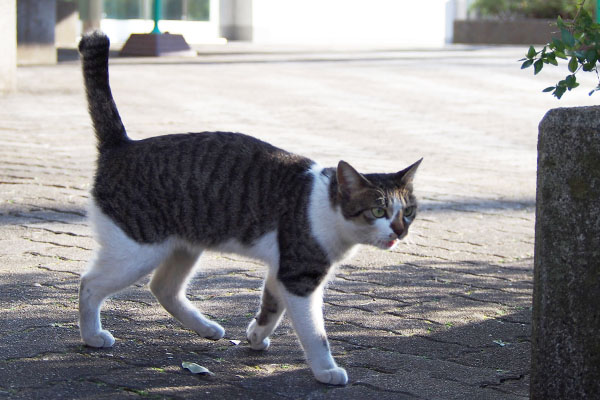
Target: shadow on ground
[399, 333]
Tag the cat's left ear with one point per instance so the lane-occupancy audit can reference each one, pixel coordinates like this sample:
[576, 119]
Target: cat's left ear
[350, 180]
[406, 176]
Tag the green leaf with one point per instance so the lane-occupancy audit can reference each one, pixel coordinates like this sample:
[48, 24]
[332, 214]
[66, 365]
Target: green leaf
[531, 53]
[527, 64]
[558, 45]
[549, 89]
[573, 64]
[571, 82]
[560, 54]
[560, 90]
[195, 368]
[537, 66]
[591, 56]
[567, 37]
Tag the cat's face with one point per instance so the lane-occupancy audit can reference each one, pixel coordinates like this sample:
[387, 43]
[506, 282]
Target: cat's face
[378, 208]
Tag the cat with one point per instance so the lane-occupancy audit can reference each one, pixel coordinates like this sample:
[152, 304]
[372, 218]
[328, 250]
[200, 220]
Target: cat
[157, 203]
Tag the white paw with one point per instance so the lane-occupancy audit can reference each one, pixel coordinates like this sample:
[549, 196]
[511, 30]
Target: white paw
[253, 336]
[259, 346]
[212, 331]
[100, 339]
[333, 376]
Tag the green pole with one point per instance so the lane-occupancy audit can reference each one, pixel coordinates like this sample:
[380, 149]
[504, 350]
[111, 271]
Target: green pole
[157, 9]
[598, 13]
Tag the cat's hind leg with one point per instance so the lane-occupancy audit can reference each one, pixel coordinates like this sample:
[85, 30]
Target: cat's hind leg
[113, 268]
[169, 285]
[268, 317]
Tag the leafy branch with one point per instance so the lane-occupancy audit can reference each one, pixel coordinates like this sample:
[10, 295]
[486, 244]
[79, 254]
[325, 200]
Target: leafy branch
[579, 43]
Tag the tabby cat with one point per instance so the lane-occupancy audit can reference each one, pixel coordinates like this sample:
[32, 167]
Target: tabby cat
[158, 203]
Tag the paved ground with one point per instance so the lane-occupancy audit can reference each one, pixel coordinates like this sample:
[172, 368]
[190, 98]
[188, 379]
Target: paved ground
[444, 316]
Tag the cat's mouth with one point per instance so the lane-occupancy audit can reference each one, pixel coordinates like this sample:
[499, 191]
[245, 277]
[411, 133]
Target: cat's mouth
[387, 245]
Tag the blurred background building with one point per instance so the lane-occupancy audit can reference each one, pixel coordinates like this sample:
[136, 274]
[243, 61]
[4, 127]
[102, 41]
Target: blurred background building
[322, 22]
[43, 26]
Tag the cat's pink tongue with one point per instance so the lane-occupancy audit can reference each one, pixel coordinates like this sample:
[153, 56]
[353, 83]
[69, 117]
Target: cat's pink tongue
[391, 243]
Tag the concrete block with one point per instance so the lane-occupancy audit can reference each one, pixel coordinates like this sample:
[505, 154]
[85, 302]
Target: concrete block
[522, 31]
[36, 20]
[156, 45]
[8, 46]
[566, 309]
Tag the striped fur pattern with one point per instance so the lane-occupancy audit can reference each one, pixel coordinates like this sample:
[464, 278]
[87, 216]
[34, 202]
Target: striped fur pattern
[158, 203]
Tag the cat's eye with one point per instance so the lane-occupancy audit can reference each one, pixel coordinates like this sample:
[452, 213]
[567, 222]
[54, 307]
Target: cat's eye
[378, 212]
[409, 211]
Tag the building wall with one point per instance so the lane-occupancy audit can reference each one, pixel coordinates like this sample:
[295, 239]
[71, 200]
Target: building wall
[36, 20]
[385, 22]
[194, 31]
[8, 45]
[405, 23]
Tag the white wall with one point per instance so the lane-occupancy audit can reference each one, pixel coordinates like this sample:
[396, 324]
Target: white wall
[406, 23]
[409, 23]
[8, 45]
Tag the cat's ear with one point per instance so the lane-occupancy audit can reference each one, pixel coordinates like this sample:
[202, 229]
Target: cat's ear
[350, 180]
[407, 175]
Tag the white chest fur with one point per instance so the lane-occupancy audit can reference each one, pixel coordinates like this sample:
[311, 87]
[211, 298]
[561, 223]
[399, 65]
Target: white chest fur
[328, 225]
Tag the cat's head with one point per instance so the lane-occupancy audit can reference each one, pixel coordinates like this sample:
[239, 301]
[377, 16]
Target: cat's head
[378, 208]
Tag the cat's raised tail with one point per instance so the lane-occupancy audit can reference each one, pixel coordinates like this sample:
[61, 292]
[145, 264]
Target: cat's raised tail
[110, 131]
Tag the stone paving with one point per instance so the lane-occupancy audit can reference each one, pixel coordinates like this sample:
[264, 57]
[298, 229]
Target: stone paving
[444, 316]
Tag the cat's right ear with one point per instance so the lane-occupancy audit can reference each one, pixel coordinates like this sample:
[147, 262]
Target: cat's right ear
[405, 177]
[350, 180]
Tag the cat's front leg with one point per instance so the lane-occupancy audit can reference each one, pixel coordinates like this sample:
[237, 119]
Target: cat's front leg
[306, 314]
[268, 317]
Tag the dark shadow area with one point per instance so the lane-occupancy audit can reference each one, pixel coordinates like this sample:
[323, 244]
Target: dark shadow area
[16, 214]
[397, 346]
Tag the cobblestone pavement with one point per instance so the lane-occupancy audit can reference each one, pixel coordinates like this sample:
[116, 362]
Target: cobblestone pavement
[444, 316]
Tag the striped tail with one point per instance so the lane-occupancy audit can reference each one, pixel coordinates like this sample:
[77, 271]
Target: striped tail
[110, 131]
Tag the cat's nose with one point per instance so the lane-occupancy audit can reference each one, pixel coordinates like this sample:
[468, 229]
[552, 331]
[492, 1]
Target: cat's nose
[398, 228]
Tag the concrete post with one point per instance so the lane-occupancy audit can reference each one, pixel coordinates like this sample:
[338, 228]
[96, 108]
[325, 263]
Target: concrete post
[566, 310]
[236, 19]
[35, 31]
[92, 16]
[8, 46]
[67, 23]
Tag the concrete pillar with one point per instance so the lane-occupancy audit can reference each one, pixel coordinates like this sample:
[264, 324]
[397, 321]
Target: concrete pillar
[67, 23]
[8, 46]
[35, 31]
[92, 16]
[566, 311]
[236, 19]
